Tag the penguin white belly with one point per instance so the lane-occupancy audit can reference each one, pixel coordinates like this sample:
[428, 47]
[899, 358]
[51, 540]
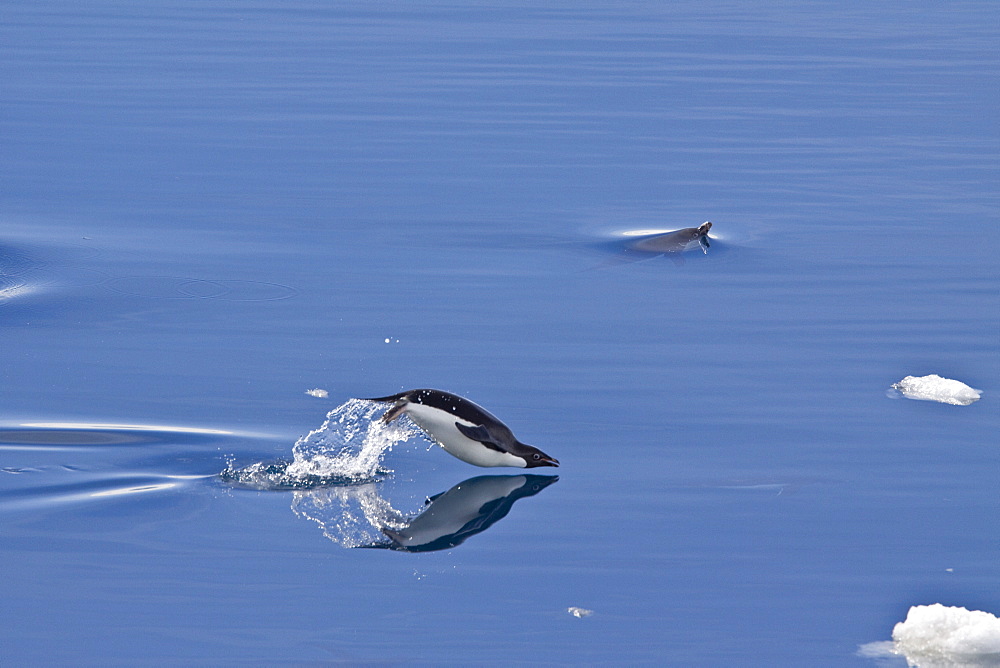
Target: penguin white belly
[440, 426]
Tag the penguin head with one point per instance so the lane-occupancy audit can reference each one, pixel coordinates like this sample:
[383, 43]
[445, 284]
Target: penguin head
[534, 457]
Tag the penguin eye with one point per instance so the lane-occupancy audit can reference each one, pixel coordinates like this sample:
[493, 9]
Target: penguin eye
[536, 456]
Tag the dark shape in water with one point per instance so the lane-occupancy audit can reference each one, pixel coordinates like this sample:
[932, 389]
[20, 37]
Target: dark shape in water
[689, 238]
[465, 430]
[674, 245]
[468, 508]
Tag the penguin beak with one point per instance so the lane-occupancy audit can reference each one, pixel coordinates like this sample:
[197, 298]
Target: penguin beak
[548, 461]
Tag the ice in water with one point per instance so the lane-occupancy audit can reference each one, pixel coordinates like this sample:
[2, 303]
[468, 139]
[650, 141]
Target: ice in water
[935, 636]
[936, 388]
[942, 629]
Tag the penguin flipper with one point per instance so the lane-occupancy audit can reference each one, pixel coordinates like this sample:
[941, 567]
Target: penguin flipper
[394, 536]
[393, 413]
[481, 434]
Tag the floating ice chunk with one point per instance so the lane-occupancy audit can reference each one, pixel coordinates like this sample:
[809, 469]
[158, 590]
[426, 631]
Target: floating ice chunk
[938, 636]
[936, 388]
[579, 612]
[318, 393]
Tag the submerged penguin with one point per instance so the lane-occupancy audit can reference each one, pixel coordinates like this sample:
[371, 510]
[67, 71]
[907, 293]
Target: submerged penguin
[464, 429]
[676, 242]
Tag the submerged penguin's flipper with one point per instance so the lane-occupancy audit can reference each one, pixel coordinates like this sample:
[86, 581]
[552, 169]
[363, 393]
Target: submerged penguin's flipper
[481, 434]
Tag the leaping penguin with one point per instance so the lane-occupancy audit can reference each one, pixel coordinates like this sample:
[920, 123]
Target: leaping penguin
[464, 429]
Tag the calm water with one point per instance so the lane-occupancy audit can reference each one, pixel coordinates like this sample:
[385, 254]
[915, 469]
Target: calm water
[208, 209]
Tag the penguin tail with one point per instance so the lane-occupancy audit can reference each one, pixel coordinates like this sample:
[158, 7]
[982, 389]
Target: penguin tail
[396, 410]
[391, 397]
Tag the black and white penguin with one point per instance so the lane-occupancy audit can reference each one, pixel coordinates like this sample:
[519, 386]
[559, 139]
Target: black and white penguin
[463, 429]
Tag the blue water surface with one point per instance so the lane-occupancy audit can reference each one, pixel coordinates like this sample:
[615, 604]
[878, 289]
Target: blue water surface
[209, 208]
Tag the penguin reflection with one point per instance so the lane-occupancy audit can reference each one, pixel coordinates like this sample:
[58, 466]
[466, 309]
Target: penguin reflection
[468, 508]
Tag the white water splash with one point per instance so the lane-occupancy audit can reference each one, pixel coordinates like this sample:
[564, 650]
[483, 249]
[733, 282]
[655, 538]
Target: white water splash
[349, 444]
[347, 449]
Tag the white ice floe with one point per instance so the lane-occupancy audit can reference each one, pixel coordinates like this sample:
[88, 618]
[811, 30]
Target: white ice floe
[318, 393]
[579, 612]
[936, 388]
[939, 636]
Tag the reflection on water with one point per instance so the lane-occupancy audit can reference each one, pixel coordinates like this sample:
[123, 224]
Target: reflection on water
[91, 489]
[52, 435]
[466, 509]
[173, 287]
[349, 515]
[14, 263]
[26, 272]
[49, 269]
[51, 463]
[358, 516]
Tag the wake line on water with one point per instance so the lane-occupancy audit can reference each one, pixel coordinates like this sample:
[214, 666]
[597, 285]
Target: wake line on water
[347, 449]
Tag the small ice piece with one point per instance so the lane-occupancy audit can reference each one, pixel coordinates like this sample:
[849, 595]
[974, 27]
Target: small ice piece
[579, 612]
[936, 388]
[318, 393]
[938, 635]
